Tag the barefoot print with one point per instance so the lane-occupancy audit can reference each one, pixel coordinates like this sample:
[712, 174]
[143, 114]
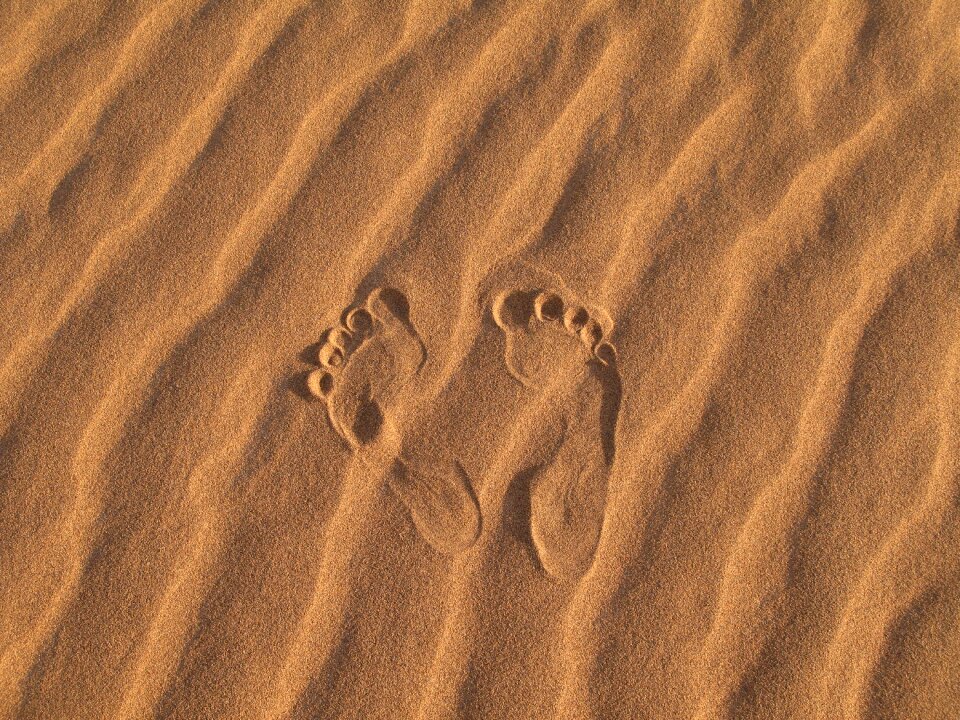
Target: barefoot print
[365, 362]
[557, 347]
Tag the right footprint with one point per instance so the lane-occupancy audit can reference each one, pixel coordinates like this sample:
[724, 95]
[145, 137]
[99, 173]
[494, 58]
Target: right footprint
[558, 347]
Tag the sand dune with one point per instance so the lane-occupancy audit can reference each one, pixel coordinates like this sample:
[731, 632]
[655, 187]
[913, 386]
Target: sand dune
[452, 359]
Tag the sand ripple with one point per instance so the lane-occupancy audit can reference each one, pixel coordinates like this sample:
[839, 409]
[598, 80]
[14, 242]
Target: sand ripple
[657, 415]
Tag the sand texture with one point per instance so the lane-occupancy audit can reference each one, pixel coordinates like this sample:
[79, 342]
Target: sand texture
[497, 359]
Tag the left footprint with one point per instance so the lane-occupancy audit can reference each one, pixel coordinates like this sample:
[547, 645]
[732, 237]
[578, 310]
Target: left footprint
[364, 364]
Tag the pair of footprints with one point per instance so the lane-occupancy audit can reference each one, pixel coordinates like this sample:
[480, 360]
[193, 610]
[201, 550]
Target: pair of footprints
[555, 348]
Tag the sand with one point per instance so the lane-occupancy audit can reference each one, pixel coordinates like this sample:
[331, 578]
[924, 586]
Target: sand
[576, 360]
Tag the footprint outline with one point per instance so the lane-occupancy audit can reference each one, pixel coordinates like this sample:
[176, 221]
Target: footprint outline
[574, 480]
[363, 363]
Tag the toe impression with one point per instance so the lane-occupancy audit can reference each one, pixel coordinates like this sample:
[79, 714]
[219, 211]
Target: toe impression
[330, 356]
[320, 384]
[548, 307]
[358, 321]
[574, 319]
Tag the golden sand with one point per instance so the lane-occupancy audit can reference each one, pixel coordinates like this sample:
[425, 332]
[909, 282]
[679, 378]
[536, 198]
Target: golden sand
[576, 360]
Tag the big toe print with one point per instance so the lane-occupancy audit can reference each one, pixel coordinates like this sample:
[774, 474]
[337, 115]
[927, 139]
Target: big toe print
[557, 346]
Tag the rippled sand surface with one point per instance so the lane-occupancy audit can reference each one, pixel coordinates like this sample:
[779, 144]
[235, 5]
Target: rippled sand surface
[575, 360]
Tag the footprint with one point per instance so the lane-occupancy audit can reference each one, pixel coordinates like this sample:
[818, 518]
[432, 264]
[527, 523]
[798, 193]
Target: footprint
[558, 347]
[365, 362]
